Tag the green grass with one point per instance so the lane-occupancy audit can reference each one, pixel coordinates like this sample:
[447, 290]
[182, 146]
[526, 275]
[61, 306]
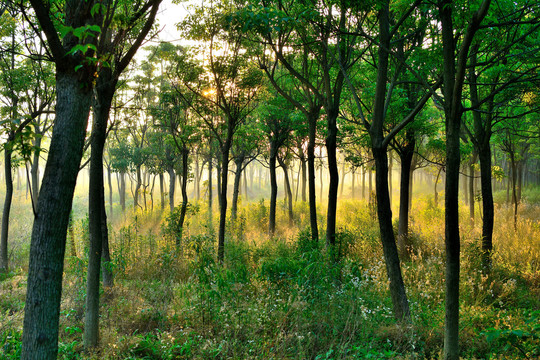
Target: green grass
[284, 298]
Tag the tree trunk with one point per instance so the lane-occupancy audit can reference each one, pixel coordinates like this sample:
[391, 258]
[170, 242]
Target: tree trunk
[210, 205]
[471, 186]
[288, 190]
[239, 161]
[172, 184]
[484, 155]
[273, 188]
[197, 179]
[312, 121]
[46, 267]
[161, 191]
[304, 177]
[137, 188]
[4, 266]
[380, 155]
[331, 148]
[122, 191]
[183, 189]
[34, 170]
[109, 181]
[406, 161]
[96, 205]
[223, 195]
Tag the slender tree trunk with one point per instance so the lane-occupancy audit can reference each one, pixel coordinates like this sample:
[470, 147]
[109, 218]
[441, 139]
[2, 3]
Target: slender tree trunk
[343, 171]
[273, 188]
[471, 186]
[403, 228]
[288, 190]
[304, 177]
[380, 155]
[487, 204]
[183, 189]
[34, 170]
[122, 191]
[312, 121]
[197, 178]
[353, 175]
[109, 182]
[161, 191]
[96, 204]
[46, 267]
[172, 184]
[210, 205]
[331, 148]
[223, 195]
[4, 266]
[363, 182]
[236, 188]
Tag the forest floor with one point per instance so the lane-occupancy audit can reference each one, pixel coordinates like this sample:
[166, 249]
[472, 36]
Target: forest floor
[283, 298]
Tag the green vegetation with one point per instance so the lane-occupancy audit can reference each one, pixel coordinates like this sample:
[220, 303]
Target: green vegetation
[286, 298]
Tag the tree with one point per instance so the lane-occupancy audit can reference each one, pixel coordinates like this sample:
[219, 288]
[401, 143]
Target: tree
[23, 90]
[71, 45]
[138, 19]
[228, 84]
[454, 57]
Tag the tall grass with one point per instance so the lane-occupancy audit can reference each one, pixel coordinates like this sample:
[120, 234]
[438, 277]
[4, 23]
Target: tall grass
[285, 297]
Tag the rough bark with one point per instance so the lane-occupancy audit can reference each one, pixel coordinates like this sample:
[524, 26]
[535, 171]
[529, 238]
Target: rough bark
[42, 309]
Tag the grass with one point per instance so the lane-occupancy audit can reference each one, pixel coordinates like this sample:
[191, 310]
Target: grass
[284, 298]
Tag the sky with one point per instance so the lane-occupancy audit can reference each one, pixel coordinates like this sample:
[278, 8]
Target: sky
[169, 15]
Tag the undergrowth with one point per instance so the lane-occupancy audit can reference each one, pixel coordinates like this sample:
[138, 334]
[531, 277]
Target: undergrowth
[287, 297]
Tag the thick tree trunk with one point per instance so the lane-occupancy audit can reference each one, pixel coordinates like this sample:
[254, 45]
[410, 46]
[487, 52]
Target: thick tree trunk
[4, 266]
[42, 309]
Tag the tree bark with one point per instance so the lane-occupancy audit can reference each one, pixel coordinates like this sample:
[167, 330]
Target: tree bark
[239, 161]
[4, 265]
[331, 149]
[312, 122]
[273, 188]
[42, 309]
[405, 156]
[105, 87]
[288, 190]
[172, 185]
[183, 189]
[161, 191]
[223, 195]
